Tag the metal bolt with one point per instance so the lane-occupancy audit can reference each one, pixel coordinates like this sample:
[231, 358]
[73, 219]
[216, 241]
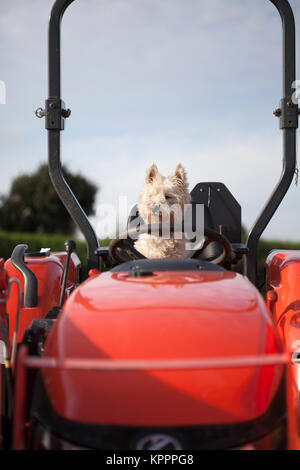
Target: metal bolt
[40, 112]
[51, 105]
[277, 112]
[66, 113]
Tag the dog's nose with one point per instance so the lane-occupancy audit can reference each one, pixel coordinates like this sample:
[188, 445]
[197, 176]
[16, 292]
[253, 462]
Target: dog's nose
[155, 209]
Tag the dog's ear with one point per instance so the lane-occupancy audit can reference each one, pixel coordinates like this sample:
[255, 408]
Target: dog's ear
[179, 175]
[151, 173]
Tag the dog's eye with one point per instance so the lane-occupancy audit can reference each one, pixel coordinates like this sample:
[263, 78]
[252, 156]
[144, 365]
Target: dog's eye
[168, 197]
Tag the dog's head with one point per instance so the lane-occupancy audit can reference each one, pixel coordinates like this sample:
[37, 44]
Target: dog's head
[162, 198]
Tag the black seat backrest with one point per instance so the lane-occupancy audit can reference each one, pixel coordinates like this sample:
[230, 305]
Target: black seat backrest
[224, 211]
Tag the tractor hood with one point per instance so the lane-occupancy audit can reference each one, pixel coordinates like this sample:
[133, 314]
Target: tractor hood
[167, 315]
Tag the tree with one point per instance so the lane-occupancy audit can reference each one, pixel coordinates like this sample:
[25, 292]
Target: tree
[33, 205]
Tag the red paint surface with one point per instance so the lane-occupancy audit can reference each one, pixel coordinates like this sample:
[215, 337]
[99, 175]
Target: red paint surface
[49, 271]
[283, 281]
[172, 315]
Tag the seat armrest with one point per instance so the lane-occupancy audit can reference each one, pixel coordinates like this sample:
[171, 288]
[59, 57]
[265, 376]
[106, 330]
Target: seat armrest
[239, 249]
[103, 253]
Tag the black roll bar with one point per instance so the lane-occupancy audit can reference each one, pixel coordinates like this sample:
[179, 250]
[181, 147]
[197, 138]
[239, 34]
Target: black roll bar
[55, 113]
[30, 280]
[288, 114]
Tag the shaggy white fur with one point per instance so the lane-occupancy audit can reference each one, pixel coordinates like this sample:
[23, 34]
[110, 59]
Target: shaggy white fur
[162, 200]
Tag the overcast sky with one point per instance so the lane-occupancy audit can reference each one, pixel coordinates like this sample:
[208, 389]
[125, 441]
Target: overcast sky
[164, 81]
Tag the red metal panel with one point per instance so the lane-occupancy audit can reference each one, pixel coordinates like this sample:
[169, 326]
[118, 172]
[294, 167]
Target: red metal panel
[49, 271]
[171, 316]
[283, 286]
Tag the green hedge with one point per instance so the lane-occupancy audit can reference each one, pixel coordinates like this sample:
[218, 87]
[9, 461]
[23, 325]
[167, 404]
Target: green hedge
[8, 240]
[56, 242]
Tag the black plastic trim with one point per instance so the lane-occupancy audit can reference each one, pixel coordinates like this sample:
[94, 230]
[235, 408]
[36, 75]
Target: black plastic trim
[167, 265]
[30, 280]
[213, 437]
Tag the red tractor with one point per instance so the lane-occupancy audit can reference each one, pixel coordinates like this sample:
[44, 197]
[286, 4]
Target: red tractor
[165, 354]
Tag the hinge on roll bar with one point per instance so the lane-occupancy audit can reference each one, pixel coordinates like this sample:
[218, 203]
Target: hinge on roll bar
[55, 113]
[288, 113]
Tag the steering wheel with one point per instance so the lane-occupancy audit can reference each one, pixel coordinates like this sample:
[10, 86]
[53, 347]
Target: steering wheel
[122, 248]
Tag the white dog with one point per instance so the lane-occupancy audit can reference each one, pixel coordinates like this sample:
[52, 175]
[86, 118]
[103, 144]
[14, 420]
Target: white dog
[162, 201]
